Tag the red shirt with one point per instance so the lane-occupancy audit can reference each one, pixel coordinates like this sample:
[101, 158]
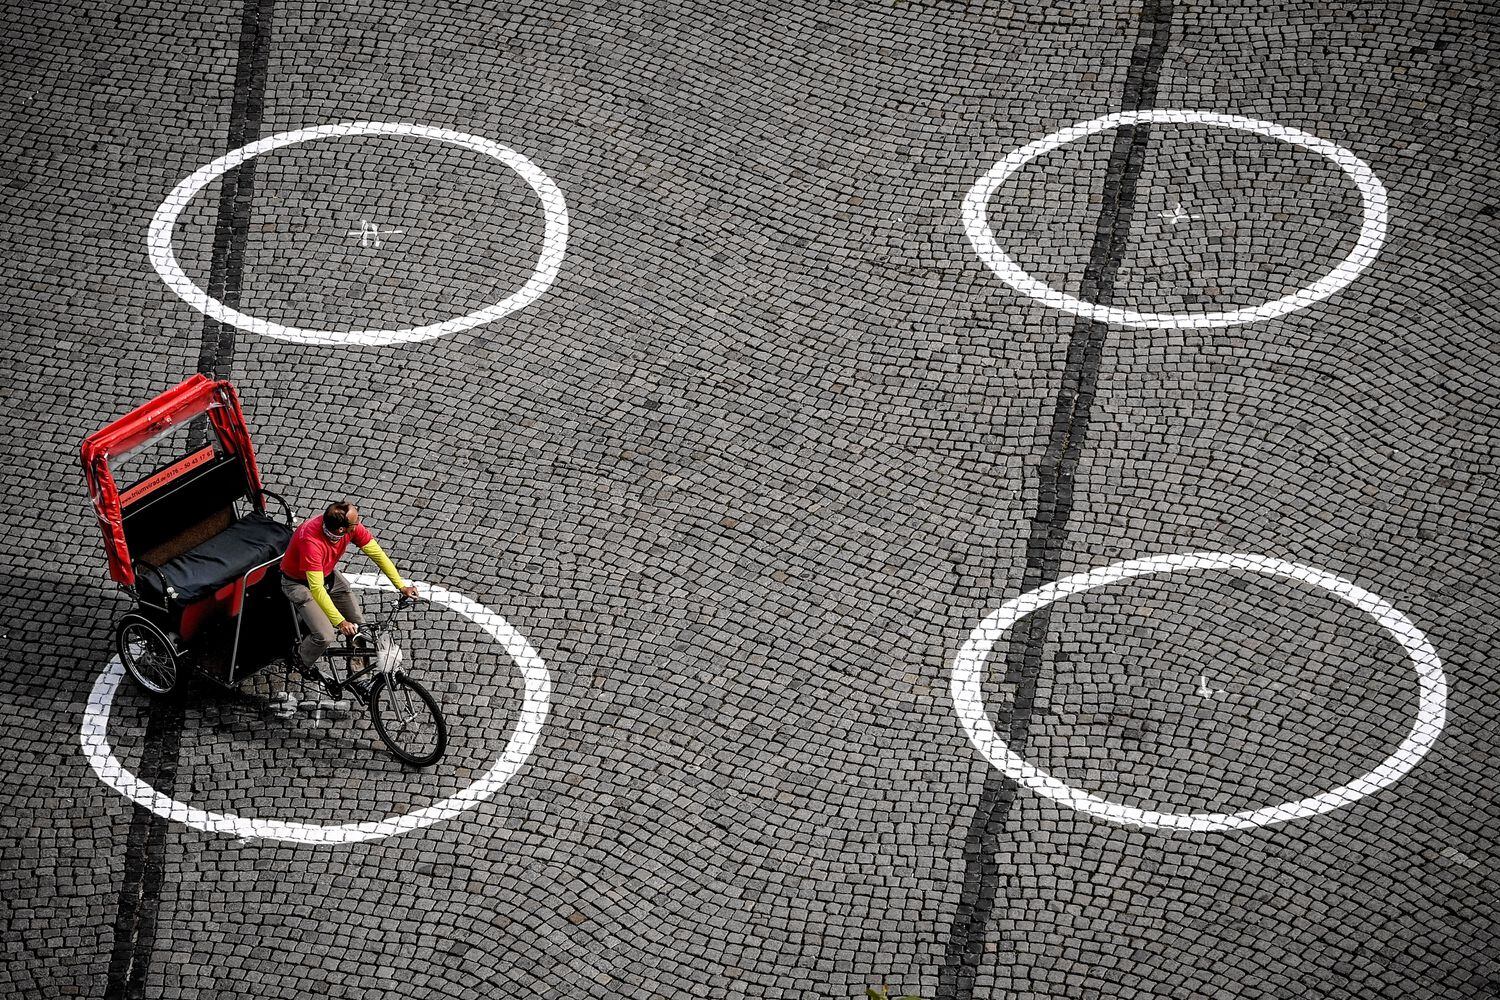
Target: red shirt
[311, 551]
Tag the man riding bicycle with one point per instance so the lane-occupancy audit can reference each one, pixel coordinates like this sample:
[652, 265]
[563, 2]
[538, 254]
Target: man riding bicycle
[322, 596]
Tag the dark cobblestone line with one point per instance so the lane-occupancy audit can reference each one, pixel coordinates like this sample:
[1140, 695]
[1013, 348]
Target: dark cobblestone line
[238, 186]
[140, 892]
[1054, 510]
[145, 854]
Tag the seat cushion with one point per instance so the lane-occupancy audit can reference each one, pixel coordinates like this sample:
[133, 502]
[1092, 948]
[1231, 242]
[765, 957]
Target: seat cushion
[205, 568]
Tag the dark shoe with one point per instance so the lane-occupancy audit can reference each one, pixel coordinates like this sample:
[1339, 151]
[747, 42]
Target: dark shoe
[313, 673]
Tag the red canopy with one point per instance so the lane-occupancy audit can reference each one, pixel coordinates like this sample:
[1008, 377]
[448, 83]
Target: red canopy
[193, 398]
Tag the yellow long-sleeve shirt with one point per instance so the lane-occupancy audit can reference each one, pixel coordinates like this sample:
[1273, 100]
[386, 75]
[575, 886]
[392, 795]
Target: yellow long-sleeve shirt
[319, 587]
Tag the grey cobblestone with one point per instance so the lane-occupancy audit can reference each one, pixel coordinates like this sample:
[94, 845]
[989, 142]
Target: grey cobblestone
[748, 475]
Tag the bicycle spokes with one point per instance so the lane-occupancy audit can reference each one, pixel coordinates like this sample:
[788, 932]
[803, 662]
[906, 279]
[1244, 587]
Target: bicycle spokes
[408, 719]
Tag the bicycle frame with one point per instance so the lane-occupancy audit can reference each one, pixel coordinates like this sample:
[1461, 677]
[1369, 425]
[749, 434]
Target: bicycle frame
[409, 702]
[348, 652]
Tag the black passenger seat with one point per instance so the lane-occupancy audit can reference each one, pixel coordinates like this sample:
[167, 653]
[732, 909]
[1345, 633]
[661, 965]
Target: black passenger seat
[203, 569]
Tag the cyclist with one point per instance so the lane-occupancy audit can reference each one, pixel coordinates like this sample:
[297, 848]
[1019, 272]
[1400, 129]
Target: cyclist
[322, 596]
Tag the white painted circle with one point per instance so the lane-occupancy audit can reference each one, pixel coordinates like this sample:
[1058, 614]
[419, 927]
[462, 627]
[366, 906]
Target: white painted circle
[968, 671]
[1372, 231]
[523, 740]
[554, 237]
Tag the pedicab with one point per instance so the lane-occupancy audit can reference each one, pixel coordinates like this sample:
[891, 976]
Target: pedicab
[196, 540]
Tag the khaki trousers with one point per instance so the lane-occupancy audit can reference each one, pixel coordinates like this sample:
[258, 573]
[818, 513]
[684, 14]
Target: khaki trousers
[320, 631]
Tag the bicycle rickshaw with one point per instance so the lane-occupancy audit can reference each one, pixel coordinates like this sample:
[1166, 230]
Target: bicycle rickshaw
[193, 543]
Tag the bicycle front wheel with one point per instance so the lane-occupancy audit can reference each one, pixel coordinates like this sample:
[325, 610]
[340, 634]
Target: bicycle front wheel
[408, 719]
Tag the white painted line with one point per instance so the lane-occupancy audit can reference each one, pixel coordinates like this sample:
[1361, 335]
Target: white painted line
[371, 235]
[1177, 215]
[554, 238]
[523, 740]
[1372, 230]
[968, 697]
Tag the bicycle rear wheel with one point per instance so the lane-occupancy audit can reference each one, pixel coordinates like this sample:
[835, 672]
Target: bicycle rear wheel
[408, 719]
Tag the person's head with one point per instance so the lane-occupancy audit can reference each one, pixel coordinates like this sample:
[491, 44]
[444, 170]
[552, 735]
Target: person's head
[339, 517]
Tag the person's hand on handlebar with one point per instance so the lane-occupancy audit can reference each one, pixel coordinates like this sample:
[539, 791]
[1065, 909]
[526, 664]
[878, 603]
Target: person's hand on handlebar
[348, 628]
[410, 590]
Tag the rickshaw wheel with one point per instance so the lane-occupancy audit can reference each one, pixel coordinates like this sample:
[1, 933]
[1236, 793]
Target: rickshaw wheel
[148, 653]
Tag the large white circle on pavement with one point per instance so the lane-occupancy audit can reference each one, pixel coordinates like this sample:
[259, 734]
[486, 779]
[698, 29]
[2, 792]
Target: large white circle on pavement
[968, 673]
[554, 236]
[523, 740]
[1372, 230]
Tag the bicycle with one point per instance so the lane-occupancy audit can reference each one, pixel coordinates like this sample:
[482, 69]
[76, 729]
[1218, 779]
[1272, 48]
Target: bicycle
[407, 718]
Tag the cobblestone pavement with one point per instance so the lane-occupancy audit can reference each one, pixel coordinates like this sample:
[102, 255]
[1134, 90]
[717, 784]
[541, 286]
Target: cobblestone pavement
[750, 475]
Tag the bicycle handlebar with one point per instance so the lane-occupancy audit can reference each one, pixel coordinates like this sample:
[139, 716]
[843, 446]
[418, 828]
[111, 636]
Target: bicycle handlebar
[402, 603]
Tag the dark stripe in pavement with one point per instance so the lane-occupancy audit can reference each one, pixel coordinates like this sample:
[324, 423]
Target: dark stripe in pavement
[238, 185]
[145, 858]
[145, 847]
[1050, 525]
